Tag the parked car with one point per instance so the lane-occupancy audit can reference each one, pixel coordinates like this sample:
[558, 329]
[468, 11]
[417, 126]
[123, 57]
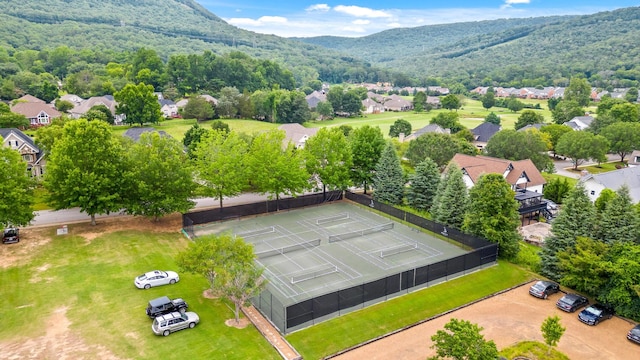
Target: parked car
[542, 289]
[10, 235]
[572, 302]
[164, 305]
[551, 205]
[168, 323]
[595, 313]
[156, 278]
[634, 334]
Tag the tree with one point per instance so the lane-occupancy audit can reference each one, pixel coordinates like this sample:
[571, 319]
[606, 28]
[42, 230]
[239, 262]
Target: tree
[556, 190]
[400, 126]
[448, 120]
[566, 110]
[423, 185]
[624, 138]
[451, 207]
[100, 112]
[515, 105]
[576, 219]
[493, 214]
[158, 182]
[325, 110]
[63, 105]
[85, 169]
[220, 126]
[631, 95]
[451, 102]
[192, 138]
[462, 340]
[583, 267]
[9, 119]
[626, 112]
[620, 288]
[488, 100]
[582, 145]
[439, 147]
[555, 131]
[528, 117]
[220, 164]
[16, 189]
[606, 195]
[492, 118]
[198, 108]
[351, 103]
[366, 144]
[328, 159]
[388, 180]
[520, 145]
[619, 220]
[579, 91]
[228, 102]
[139, 104]
[335, 96]
[552, 331]
[276, 169]
[419, 101]
[227, 262]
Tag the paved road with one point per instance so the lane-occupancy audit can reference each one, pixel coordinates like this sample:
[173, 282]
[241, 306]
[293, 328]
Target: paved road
[69, 216]
[563, 167]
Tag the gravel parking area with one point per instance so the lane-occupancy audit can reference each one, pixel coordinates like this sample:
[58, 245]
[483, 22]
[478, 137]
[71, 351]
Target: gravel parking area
[508, 318]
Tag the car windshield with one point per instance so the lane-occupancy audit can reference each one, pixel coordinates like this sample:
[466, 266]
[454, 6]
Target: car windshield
[539, 286]
[593, 311]
[636, 331]
[142, 277]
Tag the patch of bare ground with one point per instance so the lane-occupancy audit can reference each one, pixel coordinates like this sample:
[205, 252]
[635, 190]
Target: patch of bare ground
[20, 253]
[240, 324]
[59, 342]
[208, 294]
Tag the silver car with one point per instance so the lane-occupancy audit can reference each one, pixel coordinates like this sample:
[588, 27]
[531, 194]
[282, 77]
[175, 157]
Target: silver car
[156, 278]
[168, 323]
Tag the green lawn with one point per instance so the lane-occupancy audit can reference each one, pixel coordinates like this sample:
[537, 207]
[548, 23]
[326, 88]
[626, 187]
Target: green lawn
[549, 177]
[93, 280]
[340, 333]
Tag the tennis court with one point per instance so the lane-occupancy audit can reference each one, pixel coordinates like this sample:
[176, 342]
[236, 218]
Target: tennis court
[312, 252]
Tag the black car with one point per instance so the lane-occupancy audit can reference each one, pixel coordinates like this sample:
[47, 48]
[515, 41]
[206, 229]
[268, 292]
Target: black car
[572, 302]
[634, 334]
[10, 235]
[542, 289]
[595, 313]
[164, 305]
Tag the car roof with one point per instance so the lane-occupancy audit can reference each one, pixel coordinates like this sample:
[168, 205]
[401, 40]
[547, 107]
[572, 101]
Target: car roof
[160, 301]
[154, 273]
[169, 316]
[572, 296]
[546, 282]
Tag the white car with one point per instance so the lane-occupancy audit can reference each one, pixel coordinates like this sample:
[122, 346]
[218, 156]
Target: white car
[168, 323]
[156, 278]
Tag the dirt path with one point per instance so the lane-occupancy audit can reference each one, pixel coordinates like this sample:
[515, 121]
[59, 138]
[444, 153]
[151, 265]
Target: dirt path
[509, 318]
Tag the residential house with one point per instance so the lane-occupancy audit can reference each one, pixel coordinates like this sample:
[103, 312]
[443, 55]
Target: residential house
[182, 103]
[397, 103]
[431, 128]
[134, 133]
[29, 99]
[74, 99]
[106, 100]
[614, 180]
[483, 132]
[169, 108]
[316, 97]
[38, 112]
[372, 107]
[523, 177]
[579, 122]
[30, 152]
[532, 126]
[434, 101]
[297, 134]
[634, 158]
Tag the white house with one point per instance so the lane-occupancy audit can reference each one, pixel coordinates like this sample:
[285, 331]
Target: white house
[614, 180]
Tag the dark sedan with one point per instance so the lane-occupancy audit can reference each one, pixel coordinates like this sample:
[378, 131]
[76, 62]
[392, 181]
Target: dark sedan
[595, 313]
[572, 302]
[542, 289]
[634, 334]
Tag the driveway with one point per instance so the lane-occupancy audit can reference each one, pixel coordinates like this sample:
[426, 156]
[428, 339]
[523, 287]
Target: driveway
[508, 318]
[564, 167]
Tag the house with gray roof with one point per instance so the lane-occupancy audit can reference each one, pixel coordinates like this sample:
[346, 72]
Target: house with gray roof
[168, 108]
[297, 134]
[315, 98]
[431, 128]
[106, 100]
[134, 133]
[614, 180]
[483, 132]
[579, 122]
[371, 106]
[532, 126]
[24, 144]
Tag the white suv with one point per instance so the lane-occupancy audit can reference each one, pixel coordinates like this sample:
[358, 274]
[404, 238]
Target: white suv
[166, 324]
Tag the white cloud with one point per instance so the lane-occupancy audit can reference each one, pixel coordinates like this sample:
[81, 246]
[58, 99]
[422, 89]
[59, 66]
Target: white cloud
[318, 7]
[359, 11]
[361, 22]
[508, 3]
[262, 21]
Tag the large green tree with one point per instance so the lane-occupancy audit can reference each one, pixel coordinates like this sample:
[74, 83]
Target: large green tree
[388, 180]
[400, 126]
[619, 220]
[448, 120]
[576, 218]
[626, 112]
[438, 147]
[367, 143]
[520, 145]
[419, 101]
[158, 182]
[328, 159]
[624, 138]
[579, 91]
[462, 340]
[493, 214]
[276, 168]
[16, 189]
[423, 185]
[85, 169]
[221, 164]
[528, 117]
[582, 145]
[9, 119]
[139, 104]
[488, 100]
[198, 108]
[451, 102]
[566, 110]
[451, 206]
[192, 138]
[555, 131]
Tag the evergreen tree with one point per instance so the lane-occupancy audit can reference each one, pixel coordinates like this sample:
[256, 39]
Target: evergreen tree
[453, 204]
[492, 118]
[423, 185]
[577, 218]
[493, 214]
[619, 221]
[556, 190]
[389, 180]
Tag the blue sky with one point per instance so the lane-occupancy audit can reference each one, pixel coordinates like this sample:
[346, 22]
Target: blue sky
[302, 18]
